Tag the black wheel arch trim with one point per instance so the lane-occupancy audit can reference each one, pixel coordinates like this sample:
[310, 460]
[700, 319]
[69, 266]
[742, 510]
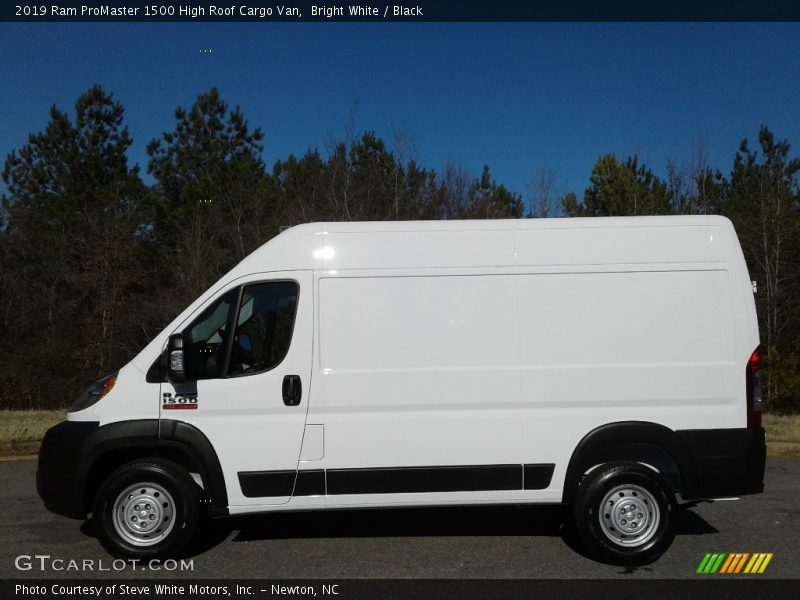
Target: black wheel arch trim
[193, 438]
[633, 434]
[146, 436]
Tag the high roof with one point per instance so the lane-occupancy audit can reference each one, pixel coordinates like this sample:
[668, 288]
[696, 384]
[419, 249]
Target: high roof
[547, 245]
[501, 242]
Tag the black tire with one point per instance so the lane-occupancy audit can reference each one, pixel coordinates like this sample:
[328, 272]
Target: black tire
[168, 498]
[605, 522]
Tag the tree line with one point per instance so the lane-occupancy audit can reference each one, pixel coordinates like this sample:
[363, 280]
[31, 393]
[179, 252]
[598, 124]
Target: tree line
[94, 261]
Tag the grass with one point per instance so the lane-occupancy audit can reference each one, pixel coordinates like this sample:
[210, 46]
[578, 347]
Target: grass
[21, 431]
[783, 434]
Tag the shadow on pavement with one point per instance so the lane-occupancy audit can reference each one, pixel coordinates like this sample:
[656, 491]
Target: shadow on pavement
[451, 521]
[505, 520]
[687, 522]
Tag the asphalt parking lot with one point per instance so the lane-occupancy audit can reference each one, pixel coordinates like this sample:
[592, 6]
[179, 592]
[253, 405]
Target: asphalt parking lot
[462, 542]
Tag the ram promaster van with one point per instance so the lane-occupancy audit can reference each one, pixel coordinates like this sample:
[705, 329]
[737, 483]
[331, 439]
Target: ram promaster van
[608, 364]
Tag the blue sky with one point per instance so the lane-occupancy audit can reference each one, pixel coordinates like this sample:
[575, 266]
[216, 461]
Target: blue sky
[518, 97]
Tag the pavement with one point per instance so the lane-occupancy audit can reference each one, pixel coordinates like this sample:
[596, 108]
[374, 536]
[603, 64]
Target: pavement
[455, 542]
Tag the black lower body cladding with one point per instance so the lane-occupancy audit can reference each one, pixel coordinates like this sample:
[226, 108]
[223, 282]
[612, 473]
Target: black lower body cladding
[57, 477]
[722, 462]
[76, 456]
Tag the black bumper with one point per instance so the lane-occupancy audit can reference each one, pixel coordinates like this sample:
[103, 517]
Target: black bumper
[721, 463]
[58, 478]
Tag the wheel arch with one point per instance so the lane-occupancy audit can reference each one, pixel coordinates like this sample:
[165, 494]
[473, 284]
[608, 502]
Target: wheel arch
[115, 444]
[651, 444]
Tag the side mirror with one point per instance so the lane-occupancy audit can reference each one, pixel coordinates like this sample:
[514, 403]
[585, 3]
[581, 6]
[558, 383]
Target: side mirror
[176, 372]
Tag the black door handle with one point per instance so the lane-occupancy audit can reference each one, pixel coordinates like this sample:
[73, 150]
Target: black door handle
[292, 390]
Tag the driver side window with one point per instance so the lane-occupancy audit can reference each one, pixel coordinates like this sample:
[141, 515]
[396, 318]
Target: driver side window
[264, 327]
[205, 340]
[263, 331]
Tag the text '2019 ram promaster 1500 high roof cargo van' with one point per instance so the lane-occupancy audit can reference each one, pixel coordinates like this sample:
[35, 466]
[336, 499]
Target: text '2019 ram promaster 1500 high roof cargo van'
[606, 363]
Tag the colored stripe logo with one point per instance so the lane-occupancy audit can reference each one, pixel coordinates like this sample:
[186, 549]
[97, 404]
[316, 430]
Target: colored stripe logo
[734, 562]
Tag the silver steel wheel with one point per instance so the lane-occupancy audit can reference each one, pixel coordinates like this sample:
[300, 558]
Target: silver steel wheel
[144, 514]
[629, 515]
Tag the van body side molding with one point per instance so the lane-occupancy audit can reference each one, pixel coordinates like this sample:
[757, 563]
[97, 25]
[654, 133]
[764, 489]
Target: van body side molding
[397, 480]
[265, 484]
[411, 480]
[537, 477]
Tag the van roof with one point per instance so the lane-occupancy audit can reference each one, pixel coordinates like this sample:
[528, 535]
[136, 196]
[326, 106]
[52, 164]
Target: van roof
[493, 242]
[506, 224]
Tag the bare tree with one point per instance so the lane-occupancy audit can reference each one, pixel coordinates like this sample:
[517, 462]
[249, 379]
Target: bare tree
[764, 206]
[341, 165]
[679, 188]
[706, 189]
[404, 149]
[455, 186]
[542, 193]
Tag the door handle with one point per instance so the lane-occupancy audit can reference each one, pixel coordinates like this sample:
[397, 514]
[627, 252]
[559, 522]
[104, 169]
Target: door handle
[292, 390]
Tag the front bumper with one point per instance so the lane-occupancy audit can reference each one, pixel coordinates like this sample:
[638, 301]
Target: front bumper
[722, 462]
[58, 479]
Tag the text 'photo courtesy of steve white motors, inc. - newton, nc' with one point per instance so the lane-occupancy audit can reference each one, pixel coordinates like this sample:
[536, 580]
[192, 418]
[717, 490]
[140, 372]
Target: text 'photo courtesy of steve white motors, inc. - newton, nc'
[382, 11]
[142, 590]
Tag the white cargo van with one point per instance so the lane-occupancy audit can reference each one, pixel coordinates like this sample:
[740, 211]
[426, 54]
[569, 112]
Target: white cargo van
[606, 363]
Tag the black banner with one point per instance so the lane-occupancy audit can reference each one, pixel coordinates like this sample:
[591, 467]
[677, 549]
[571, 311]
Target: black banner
[416, 589]
[396, 11]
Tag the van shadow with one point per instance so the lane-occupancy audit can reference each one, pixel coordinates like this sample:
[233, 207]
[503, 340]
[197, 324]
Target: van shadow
[688, 522]
[450, 521]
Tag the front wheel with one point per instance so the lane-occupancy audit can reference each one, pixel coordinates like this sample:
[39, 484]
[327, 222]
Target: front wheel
[623, 513]
[147, 510]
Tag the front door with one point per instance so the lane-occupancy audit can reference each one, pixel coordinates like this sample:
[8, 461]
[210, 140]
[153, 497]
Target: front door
[247, 356]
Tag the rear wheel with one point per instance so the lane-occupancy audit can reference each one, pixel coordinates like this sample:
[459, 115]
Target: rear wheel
[623, 513]
[147, 509]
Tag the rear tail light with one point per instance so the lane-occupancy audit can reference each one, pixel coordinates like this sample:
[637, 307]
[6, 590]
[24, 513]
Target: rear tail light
[754, 396]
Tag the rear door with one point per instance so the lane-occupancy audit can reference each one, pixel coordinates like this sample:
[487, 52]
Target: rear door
[248, 365]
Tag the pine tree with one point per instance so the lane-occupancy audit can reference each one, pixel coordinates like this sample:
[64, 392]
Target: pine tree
[73, 212]
[209, 193]
[617, 189]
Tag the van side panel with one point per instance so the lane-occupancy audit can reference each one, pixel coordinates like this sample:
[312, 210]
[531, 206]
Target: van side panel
[603, 347]
[602, 244]
[420, 371]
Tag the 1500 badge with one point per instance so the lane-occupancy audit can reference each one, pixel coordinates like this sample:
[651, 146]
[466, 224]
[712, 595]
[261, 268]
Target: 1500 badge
[179, 401]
